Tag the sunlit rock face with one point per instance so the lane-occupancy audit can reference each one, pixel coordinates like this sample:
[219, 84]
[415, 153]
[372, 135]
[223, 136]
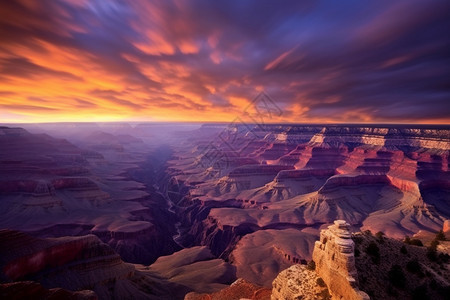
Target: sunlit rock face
[297, 282]
[240, 289]
[334, 271]
[335, 261]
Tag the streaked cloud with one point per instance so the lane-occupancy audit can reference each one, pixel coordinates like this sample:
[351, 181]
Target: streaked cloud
[321, 61]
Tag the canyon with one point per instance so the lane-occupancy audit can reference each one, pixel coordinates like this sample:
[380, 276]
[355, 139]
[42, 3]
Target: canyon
[161, 210]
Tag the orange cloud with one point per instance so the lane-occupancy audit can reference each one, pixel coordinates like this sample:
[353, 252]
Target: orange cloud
[137, 60]
[156, 44]
[188, 47]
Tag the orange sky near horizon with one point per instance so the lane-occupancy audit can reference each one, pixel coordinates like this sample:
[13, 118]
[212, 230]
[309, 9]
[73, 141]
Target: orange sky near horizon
[94, 61]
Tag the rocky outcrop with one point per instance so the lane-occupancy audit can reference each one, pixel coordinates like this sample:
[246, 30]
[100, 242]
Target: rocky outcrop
[334, 271]
[297, 282]
[335, 262]
[240, 289]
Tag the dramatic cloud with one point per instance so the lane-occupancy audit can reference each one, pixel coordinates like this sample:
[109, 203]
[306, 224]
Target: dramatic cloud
[201, 60]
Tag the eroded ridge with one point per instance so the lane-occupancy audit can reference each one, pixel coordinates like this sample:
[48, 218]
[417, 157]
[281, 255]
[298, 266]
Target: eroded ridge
[335, 261]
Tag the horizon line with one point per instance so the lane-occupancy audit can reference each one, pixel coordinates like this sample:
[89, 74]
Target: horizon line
[225, 123]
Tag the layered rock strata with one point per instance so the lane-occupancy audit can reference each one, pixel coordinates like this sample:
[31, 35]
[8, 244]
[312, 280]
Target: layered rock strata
[297, 282]
[389, 178]
[335, 262]
[74, 264]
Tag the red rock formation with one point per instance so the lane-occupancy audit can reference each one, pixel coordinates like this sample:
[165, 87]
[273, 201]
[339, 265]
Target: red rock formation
[240, 289]
[276, 150]
[304, 173]
[335, 262]
[339, 181]
[258, 170]
[24, 255]
[74, 264]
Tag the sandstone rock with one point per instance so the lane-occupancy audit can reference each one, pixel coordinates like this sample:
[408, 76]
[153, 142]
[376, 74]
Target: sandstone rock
[335, 268]
[297, 282]
[240, 289]
[335, 262]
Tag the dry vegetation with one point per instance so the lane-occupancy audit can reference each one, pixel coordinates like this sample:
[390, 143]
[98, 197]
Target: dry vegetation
[392, 269]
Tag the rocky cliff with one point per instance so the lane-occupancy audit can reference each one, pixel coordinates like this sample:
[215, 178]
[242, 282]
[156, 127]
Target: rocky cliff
[50, 187]
[332, 273]
[298, 282]
[85, 268]
[335, 262]
[362, 265]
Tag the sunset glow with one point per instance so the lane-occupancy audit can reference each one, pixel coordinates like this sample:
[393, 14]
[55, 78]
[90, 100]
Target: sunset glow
[203, 61]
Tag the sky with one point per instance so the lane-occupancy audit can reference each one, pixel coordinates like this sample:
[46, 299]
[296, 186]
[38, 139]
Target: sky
[329, 61]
